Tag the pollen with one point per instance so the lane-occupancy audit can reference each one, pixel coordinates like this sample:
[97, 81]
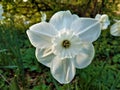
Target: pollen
[66, 44]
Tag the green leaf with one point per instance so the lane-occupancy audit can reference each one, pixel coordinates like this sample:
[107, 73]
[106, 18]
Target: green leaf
[9, 67]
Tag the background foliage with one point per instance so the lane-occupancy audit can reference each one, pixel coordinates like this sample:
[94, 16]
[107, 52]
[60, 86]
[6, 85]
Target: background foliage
[19, 69]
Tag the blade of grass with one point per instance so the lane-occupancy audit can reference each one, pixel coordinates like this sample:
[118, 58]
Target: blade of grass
[56, 85]
[115, 82]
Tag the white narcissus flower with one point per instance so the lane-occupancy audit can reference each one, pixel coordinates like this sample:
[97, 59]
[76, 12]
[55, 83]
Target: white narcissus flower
[1, 12]
[64, 43]
[115, 28]
[104, 20]
[1, 9]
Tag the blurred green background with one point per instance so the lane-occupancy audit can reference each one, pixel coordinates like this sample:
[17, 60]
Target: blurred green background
[19, 68]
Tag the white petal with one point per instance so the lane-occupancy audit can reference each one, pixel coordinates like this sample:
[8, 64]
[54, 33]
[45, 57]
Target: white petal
[88, 29]
[44, 28]
[69, 52]
[84, 58]
[63, 70]
[105, 25]
[115, 29]
[104, 20]
[37, 40]
[40, 34]
[63, 19]
[44, 56]
[98, 16]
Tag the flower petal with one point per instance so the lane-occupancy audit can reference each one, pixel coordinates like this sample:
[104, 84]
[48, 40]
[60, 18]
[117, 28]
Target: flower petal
[88, 29]
[44, 56]
[63, 70]
[98, 16]
[105, 25]
[104, 20]
[40, 34]
[84, 58]
[73, 45]
[63, 19]
[115, 29]
[44, 28]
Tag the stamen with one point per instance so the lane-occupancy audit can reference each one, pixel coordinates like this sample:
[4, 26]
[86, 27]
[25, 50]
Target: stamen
[66, 44]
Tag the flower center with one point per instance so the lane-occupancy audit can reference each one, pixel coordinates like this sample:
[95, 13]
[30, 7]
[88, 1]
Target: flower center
[66, 44]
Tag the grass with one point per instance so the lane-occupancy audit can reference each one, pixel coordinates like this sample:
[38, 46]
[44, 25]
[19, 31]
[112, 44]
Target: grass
[20, 70]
